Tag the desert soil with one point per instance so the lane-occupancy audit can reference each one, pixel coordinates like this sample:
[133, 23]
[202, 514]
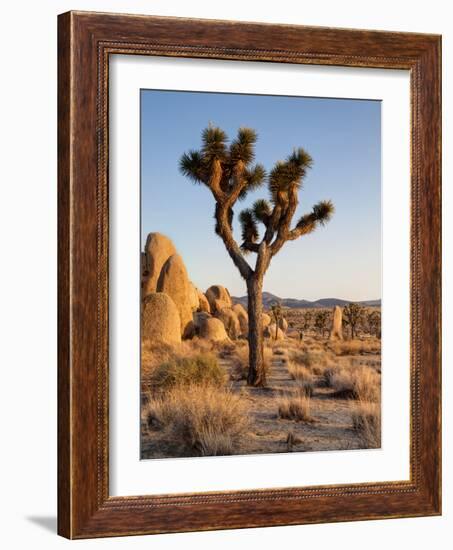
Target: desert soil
[330, 427]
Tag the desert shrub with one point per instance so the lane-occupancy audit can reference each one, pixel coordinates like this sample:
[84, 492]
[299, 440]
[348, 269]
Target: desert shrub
[316, 361]
[182, 371]
[295, 407]
[154, 355]
[198, 345]
[366, 420]
[327, 377]
[360, 383]
[306, 388]
[299, 372]
[205, 420]
[240, 366]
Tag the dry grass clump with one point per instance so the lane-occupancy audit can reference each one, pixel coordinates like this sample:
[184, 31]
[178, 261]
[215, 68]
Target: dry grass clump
[360, 383]
[299, 372]
[153, 355]
[303, 376]
[366, 420]
[205, 419]
[356, 347]
[295, 407]
[240, 366]
[201, 369]
[316, 361]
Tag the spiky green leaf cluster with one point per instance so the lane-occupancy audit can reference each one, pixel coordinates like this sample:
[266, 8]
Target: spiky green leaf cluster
[197, 165]
[262, 210]
[289, 173]
[321, 213]
[214, 140]
[243, 147]
[249, 228]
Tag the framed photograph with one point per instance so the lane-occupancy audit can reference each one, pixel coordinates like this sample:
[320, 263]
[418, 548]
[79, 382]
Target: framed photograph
[249, 275]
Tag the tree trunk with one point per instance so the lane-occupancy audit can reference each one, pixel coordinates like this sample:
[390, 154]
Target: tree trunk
[256, 375]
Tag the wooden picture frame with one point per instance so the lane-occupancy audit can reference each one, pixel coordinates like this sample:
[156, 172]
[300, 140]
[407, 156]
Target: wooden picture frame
[85, 42]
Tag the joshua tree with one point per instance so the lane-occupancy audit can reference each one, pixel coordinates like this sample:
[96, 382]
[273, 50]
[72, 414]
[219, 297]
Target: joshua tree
[374, 322]
[276, 310]
[322, 320]
[353, 316]
[228, 172]
[308, 316]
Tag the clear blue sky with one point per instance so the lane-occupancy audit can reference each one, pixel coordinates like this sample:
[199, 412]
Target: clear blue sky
[340, 260]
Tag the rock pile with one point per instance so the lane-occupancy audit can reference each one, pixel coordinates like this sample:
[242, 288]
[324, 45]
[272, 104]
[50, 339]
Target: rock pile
[173, 308]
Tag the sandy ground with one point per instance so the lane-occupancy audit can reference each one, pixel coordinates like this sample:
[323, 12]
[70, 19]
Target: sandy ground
[329, 429]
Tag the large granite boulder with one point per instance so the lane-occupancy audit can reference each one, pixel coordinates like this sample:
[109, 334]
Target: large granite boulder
[158, 249]
[230, 321]
[266, 320]
[243, 318]
[217, 292]
[160, 320]
[273, 332]
[212, 329]
[203, 304]
[173, 280]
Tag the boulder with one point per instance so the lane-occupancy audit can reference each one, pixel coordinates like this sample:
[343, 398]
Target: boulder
[193, 297]
[173, 280]
[199, 317]
[283, 324]
[219, 305]
[266, 320]
[217, 292]
[160, 320]
[230, 321]
[336, 332]
[243, 318]
[213, 329]
[158, 249]
[269, 332]
[203, 304]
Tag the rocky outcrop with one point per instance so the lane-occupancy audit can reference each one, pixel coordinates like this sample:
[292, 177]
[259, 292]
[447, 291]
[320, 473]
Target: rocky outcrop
[198, 319]
[203, 304]
[336, 332]
[158, 249]
[266, 320]
[269, 332]
[193, 297]
[217, 292]
[219, 305]
[243, 318]
[230, 322]
[160, 320]
[212, 329]
[173, 280]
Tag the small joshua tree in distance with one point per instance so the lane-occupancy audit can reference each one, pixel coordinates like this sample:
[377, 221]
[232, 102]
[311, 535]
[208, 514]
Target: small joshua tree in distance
[229, 173]
[353, 316]
[374, 322]
[322, 320]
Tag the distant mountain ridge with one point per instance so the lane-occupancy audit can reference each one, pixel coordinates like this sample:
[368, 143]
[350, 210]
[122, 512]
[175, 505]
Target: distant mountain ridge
[269, 299]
